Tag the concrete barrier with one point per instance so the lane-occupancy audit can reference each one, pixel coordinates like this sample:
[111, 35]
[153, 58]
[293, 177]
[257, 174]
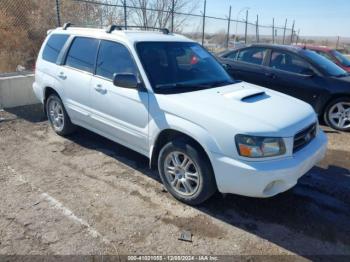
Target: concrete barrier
[16, 90]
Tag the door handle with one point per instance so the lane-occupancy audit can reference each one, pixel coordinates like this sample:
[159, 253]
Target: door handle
[62, 76]
[100, 89]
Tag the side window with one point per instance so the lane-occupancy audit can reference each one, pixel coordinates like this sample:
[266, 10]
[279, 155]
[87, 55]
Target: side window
[289, 62]
[232, 55]
[53, 47]
[82, 54]
[254, 55]
[114, 58]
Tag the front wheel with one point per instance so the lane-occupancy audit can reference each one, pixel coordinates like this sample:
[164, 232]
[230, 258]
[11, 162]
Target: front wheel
[186, 172]
[337, 114]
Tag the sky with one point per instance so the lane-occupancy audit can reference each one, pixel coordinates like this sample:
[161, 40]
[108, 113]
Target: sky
[312, 17]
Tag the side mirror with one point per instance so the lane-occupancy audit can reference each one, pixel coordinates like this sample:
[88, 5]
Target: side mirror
[126, 80]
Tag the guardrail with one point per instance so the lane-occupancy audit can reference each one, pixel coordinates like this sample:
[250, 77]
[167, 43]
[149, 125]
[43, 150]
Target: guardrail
[16, 90]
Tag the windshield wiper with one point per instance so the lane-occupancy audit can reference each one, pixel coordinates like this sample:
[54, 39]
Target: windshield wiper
[194, 85]
[343, 75]
[221, 83]
[184, 87]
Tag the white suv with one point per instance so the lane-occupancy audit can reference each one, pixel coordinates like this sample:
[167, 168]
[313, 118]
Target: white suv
[167, 98]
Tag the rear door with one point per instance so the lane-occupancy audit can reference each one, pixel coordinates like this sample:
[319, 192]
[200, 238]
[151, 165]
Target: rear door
[76, 74]
[293, 75]
[46, 66]
[120, 113]
[248, 65]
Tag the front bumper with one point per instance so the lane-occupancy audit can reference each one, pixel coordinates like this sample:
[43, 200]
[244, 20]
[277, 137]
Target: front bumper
[267, 178]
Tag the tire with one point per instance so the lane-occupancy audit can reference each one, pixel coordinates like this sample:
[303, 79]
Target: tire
[203, 187]
[336, 111]
[58, 117]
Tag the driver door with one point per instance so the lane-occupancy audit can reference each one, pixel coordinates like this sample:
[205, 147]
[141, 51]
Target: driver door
[120, 113]
[292, 75]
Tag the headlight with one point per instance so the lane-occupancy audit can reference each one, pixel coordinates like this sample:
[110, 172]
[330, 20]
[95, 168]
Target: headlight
[257, 147]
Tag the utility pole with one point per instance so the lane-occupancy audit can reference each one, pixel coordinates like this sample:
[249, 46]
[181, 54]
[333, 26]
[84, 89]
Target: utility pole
[58, 13]
[246, 26]
[125, 16]
[292, 36]
[338, 40]
[257, 28]
[273, 30]
[284, 32]
[204, 13]
[298, 36]
[172, 15]
[228, 28]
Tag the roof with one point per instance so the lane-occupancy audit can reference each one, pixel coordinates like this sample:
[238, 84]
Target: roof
[317, 48]
[291, 48]
[132, 36]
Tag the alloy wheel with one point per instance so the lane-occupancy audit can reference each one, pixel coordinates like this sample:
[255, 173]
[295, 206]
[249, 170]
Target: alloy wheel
[56, 115]
[339, 115]
[182, 173]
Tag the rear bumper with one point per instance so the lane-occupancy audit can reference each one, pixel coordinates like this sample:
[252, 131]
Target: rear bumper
[38, 92]
[267, 178]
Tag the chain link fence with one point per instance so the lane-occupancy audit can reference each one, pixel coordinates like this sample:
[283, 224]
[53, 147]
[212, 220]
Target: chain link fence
[24, 24]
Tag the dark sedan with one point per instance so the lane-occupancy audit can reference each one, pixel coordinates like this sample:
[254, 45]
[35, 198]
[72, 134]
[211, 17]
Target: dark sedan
[297, 72]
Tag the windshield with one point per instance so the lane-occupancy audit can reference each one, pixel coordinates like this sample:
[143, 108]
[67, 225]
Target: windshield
[328, 66]
[180, 67]
[341, 58]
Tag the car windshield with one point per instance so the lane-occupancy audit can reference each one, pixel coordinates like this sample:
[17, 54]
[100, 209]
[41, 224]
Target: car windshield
[328, 66]
[177, 67]
[341, 58]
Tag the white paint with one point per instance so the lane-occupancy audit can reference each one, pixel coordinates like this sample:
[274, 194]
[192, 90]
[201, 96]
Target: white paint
[69, 214]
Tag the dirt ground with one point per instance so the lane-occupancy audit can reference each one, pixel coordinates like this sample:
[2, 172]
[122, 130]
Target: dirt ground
[87, 195]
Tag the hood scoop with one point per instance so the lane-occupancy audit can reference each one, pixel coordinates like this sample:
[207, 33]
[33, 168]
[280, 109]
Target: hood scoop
[246, 94]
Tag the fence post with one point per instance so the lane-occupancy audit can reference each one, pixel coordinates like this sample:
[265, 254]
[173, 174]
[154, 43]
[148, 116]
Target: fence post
[58, 13]
[292, 36]
[204, 13]
[273, 30]
[246, 27]
[172, 15]
[228, 28]
[284, 31]
[298, 36]
[125, 16]
[337, 45]
[257, 28]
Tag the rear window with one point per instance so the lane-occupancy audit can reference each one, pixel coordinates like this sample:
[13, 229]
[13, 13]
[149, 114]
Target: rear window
[53, 47]
[82, 54]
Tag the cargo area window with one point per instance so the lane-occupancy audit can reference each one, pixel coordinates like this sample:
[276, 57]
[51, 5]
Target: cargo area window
[53, 47]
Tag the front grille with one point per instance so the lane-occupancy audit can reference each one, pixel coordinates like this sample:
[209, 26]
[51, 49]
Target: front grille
[304, 137]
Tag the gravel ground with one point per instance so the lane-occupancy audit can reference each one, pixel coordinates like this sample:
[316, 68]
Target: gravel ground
[87, 195]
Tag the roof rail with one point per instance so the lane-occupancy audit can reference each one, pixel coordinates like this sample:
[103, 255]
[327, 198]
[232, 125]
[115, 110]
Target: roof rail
[111, 28]
[165, 31]
[66, 25]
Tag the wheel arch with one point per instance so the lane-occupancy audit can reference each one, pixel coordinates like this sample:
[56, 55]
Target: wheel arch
[48, 90]
[169, 134]
[332, 98]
